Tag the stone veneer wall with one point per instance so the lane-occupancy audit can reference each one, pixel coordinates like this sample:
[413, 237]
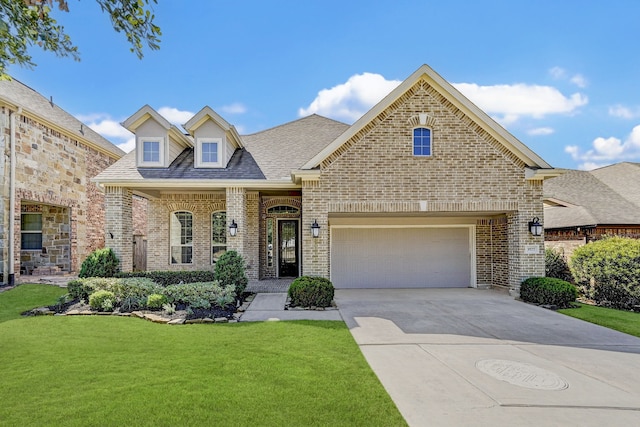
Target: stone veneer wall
[468, 172]
[55, 170]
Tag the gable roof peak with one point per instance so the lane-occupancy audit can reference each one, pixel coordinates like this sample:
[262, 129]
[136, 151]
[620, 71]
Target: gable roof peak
[208, 114]
[142, 115]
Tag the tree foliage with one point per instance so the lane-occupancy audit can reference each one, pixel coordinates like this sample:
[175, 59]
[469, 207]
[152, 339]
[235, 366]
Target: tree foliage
[28, 23]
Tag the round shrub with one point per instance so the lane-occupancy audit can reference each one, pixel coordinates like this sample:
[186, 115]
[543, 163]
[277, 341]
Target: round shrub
[555, 265]
[548, 291]
[102, 300]
[230, 271]
[156, 301]
[608, 271]
[100, 263]
[308, 291]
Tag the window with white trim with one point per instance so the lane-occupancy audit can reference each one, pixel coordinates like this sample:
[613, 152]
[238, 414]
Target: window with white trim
[421, 141]
[151, 151]
[31, 231]
[181, 231]
[218, 235]
[209, 152]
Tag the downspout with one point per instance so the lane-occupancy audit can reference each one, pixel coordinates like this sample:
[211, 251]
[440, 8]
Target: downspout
[12, 196]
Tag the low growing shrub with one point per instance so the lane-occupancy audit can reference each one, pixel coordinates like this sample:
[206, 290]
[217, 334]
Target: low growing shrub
[78, 290]
[608, 271]
[199, 295]
[102, 300]
[548, 290]
[167, 278]
[129, 304]
[308, 291]
[230, 271]
[156, 301]
[555, 265]
[100, 263]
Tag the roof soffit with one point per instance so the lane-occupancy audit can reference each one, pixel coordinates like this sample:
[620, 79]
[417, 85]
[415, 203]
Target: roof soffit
[427, 74]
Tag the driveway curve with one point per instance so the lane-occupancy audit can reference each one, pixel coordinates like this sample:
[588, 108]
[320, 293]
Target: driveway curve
[479, 357]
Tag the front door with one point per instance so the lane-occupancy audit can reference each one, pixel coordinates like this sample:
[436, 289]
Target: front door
[288, 244]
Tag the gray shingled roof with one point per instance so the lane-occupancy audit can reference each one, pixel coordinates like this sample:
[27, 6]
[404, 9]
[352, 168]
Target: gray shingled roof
[281, 149]
[17, 93]
[609, 195]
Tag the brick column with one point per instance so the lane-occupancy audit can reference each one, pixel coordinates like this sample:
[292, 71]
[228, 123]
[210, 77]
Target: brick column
[119, 223]
[237, 211]
[315, 251]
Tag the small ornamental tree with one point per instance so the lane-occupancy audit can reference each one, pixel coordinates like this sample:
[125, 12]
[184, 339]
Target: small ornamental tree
[230, 271]
[555, 265]
[100, 263]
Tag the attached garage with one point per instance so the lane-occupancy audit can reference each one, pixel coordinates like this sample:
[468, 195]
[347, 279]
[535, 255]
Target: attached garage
[402, 257]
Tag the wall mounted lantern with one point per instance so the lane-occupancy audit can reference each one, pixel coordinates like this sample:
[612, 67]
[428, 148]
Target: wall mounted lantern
[535, 227]
[233, 228]
[315, 229]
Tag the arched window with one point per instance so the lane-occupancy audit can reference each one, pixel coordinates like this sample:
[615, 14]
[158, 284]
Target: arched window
[218, 235]
[282, 210]
[422, 142]
[181, 237]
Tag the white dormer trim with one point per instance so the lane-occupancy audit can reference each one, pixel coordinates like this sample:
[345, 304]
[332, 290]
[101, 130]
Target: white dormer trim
[199, 153]
[162, 152]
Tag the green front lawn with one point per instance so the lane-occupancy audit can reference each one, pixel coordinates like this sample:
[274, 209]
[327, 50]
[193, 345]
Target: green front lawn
[106, 370]
[623, 321]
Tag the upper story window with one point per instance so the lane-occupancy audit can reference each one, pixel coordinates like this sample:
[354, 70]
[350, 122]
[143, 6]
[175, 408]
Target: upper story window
[181, 237]
[422, 142]
[209, 153]
[151, 152]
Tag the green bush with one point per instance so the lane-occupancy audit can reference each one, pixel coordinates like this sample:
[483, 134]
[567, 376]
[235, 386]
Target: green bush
[167, 278]
[555, 265]
[230, 271]
[78, 290]
[548, 290]
[199, 295]
[135, 287]
[102, 300]
[608, 271]
[308, 291]
[156, 301]
[129, 304]
[100, 263]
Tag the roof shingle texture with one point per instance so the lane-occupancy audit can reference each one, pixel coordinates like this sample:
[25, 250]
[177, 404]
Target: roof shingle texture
[609, 195]
[23, 96]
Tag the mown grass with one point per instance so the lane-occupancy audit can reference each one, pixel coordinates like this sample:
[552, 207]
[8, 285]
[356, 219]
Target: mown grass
[25, 297]
[104, 370]
[620, 320]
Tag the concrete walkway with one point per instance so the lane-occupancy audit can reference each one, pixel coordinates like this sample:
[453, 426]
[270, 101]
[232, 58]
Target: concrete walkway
[454, 357]
[270, 306]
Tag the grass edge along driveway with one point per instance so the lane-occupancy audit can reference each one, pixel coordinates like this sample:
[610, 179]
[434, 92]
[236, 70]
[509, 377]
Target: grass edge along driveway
[107, 370]
[619, 320]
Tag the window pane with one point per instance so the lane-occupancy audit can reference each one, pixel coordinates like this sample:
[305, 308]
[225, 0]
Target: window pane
[422, 142]
[217, 252]
[31, 241]
[270, 242]
[282, 210]
[181, 254]
[210, 152]
[181, 237]
[218, 235]
[151, 151]
[31, 222]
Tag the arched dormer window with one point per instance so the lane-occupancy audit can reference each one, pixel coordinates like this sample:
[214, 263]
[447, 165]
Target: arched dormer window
[421, 141]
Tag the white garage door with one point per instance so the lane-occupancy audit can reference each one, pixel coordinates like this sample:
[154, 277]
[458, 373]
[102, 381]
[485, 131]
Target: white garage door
[400, 257]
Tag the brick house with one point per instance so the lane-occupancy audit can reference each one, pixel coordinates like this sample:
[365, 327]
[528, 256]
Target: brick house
[425, 190]
[52, 215]
[582, 206]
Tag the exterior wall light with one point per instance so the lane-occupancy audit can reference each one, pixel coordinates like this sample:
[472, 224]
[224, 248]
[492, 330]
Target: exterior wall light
[315, 229]
[535, 227]
[233, 228]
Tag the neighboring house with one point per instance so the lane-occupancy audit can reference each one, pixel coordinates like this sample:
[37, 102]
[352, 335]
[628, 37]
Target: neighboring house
[581, 206]
[52, 215]
[425, 190]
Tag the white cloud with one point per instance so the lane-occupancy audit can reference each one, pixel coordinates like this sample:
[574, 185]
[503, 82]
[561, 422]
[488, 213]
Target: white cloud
[109, 128]
[511, 102]
[175, 116]
[579, 80]
[349, 101]
[606, 151]
[624, 112]
[235, 108]
[558, 73]
[540, 131]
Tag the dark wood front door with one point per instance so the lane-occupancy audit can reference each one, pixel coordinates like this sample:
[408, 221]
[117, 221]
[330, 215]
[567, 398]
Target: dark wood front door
[288, 248]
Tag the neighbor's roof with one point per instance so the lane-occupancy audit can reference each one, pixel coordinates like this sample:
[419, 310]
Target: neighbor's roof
[33, 104]
[609, 195]
[281, 149]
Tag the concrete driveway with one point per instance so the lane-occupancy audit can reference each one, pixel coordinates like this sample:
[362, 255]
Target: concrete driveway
[478, 357]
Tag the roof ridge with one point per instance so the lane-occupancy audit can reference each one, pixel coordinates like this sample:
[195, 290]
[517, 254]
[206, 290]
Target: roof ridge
[295, 121]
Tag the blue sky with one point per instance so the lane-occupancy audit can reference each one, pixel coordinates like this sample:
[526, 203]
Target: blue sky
[563, 76]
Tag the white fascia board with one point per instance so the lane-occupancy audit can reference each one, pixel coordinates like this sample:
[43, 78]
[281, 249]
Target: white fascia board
[141, 116]
[199, 184]
[542, 174]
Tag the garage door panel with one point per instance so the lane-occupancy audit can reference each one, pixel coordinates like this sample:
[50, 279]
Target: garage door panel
[400, 257]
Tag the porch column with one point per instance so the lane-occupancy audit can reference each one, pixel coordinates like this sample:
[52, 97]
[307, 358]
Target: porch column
[119, 224]
[315, 250]
[237, 211]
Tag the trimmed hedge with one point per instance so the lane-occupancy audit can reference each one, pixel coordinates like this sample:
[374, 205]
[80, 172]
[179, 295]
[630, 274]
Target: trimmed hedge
[167, 278]
[100, 263]
[548, 290]
[309, 291]
[608, 271]
[122, 288]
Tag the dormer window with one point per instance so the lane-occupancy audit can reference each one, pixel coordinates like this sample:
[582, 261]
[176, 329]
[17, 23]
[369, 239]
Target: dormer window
[151, 152]
[209, 153]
